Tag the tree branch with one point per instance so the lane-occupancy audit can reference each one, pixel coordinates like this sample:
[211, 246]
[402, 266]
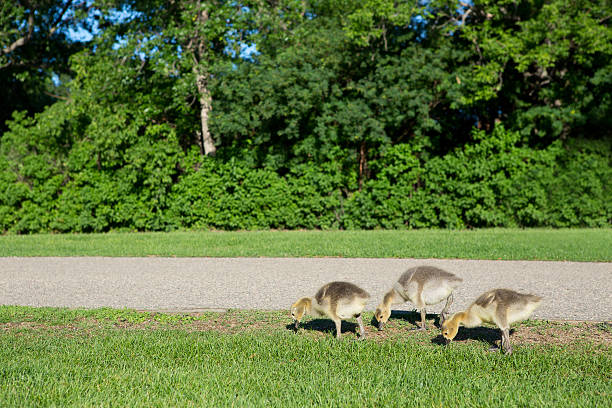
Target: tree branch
[58, 20]
[464, 16]
[20, 42]
[64, 98]
[23, 40]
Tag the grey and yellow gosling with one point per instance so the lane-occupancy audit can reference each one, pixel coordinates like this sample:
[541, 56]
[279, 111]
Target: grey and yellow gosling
[422, 286]
[338, 301]
[499, 306]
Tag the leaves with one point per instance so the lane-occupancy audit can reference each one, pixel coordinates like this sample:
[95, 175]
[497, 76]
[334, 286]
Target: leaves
[344, 114]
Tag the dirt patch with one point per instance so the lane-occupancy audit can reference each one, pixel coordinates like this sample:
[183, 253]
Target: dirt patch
[399, 328]
[21, 325]
[565, 333]
[29, 328]
[402, 325]
[545, 333]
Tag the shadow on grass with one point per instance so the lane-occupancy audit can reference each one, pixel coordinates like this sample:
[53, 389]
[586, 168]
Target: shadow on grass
[489, 335]
[411, 316]
[326, 326]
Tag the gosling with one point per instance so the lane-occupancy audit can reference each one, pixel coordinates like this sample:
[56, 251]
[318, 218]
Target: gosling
[338, 301]
[500, 306]
[421, 285]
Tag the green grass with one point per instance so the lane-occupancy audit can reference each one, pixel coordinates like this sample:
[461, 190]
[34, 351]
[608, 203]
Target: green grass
[507, 244]
[59, 357]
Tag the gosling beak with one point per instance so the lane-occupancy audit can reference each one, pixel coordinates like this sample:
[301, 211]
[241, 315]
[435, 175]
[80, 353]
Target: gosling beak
[380, 325]
[447, 341]
[297, 324]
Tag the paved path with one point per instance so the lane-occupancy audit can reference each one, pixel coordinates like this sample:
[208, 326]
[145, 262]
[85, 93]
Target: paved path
[572, 290]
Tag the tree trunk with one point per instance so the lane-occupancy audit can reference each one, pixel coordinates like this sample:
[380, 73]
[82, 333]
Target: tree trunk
[207, 146]
[362, 164]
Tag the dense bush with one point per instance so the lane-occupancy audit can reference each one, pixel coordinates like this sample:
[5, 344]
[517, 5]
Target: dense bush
[103, 176]
[493, 181]
[316, 114]
[231, 196]
[578, 189]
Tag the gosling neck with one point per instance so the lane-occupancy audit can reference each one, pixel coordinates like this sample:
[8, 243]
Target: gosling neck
[389, 299]
[307, 302]
[458, 318]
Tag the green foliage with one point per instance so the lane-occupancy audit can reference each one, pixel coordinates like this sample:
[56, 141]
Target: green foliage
[90, 164]
[34, 49]
[578, 190]
[544, 67]
[232, 196]
[347, 115]
[490, 183]
[370, 20]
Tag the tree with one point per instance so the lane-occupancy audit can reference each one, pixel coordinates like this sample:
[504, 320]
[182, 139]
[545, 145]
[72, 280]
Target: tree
[195, 42]
[541, 67]
[340, 92]
[35, 47]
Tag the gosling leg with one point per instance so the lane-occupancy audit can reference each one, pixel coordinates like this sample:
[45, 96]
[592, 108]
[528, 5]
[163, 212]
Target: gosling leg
[338, 327]
[361, 328]
[449, 302]
[423, 324]
[502, 322]
[505, 341]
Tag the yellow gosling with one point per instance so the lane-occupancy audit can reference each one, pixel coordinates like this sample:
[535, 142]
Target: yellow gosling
[422, 286]
[338, 301]
[499, 306]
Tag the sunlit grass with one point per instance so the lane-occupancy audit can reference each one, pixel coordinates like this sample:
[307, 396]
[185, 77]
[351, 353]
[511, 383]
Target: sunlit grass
[106, 357]
[507, 244]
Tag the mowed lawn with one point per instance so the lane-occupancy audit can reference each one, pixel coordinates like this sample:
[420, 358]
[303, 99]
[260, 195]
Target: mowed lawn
[507, 244]
[108, 357]
[105, 357]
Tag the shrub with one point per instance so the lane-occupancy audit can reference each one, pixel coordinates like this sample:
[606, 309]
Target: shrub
[150, 184]
[494, 182]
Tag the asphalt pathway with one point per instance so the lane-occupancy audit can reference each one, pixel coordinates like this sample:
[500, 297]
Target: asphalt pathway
[571, 290]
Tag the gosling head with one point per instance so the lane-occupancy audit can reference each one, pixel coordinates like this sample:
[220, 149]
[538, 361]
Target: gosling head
[382, 315]
[450, 328]
[298, 310]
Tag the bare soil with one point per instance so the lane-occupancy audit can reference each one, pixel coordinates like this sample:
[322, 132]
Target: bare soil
[401, 326]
